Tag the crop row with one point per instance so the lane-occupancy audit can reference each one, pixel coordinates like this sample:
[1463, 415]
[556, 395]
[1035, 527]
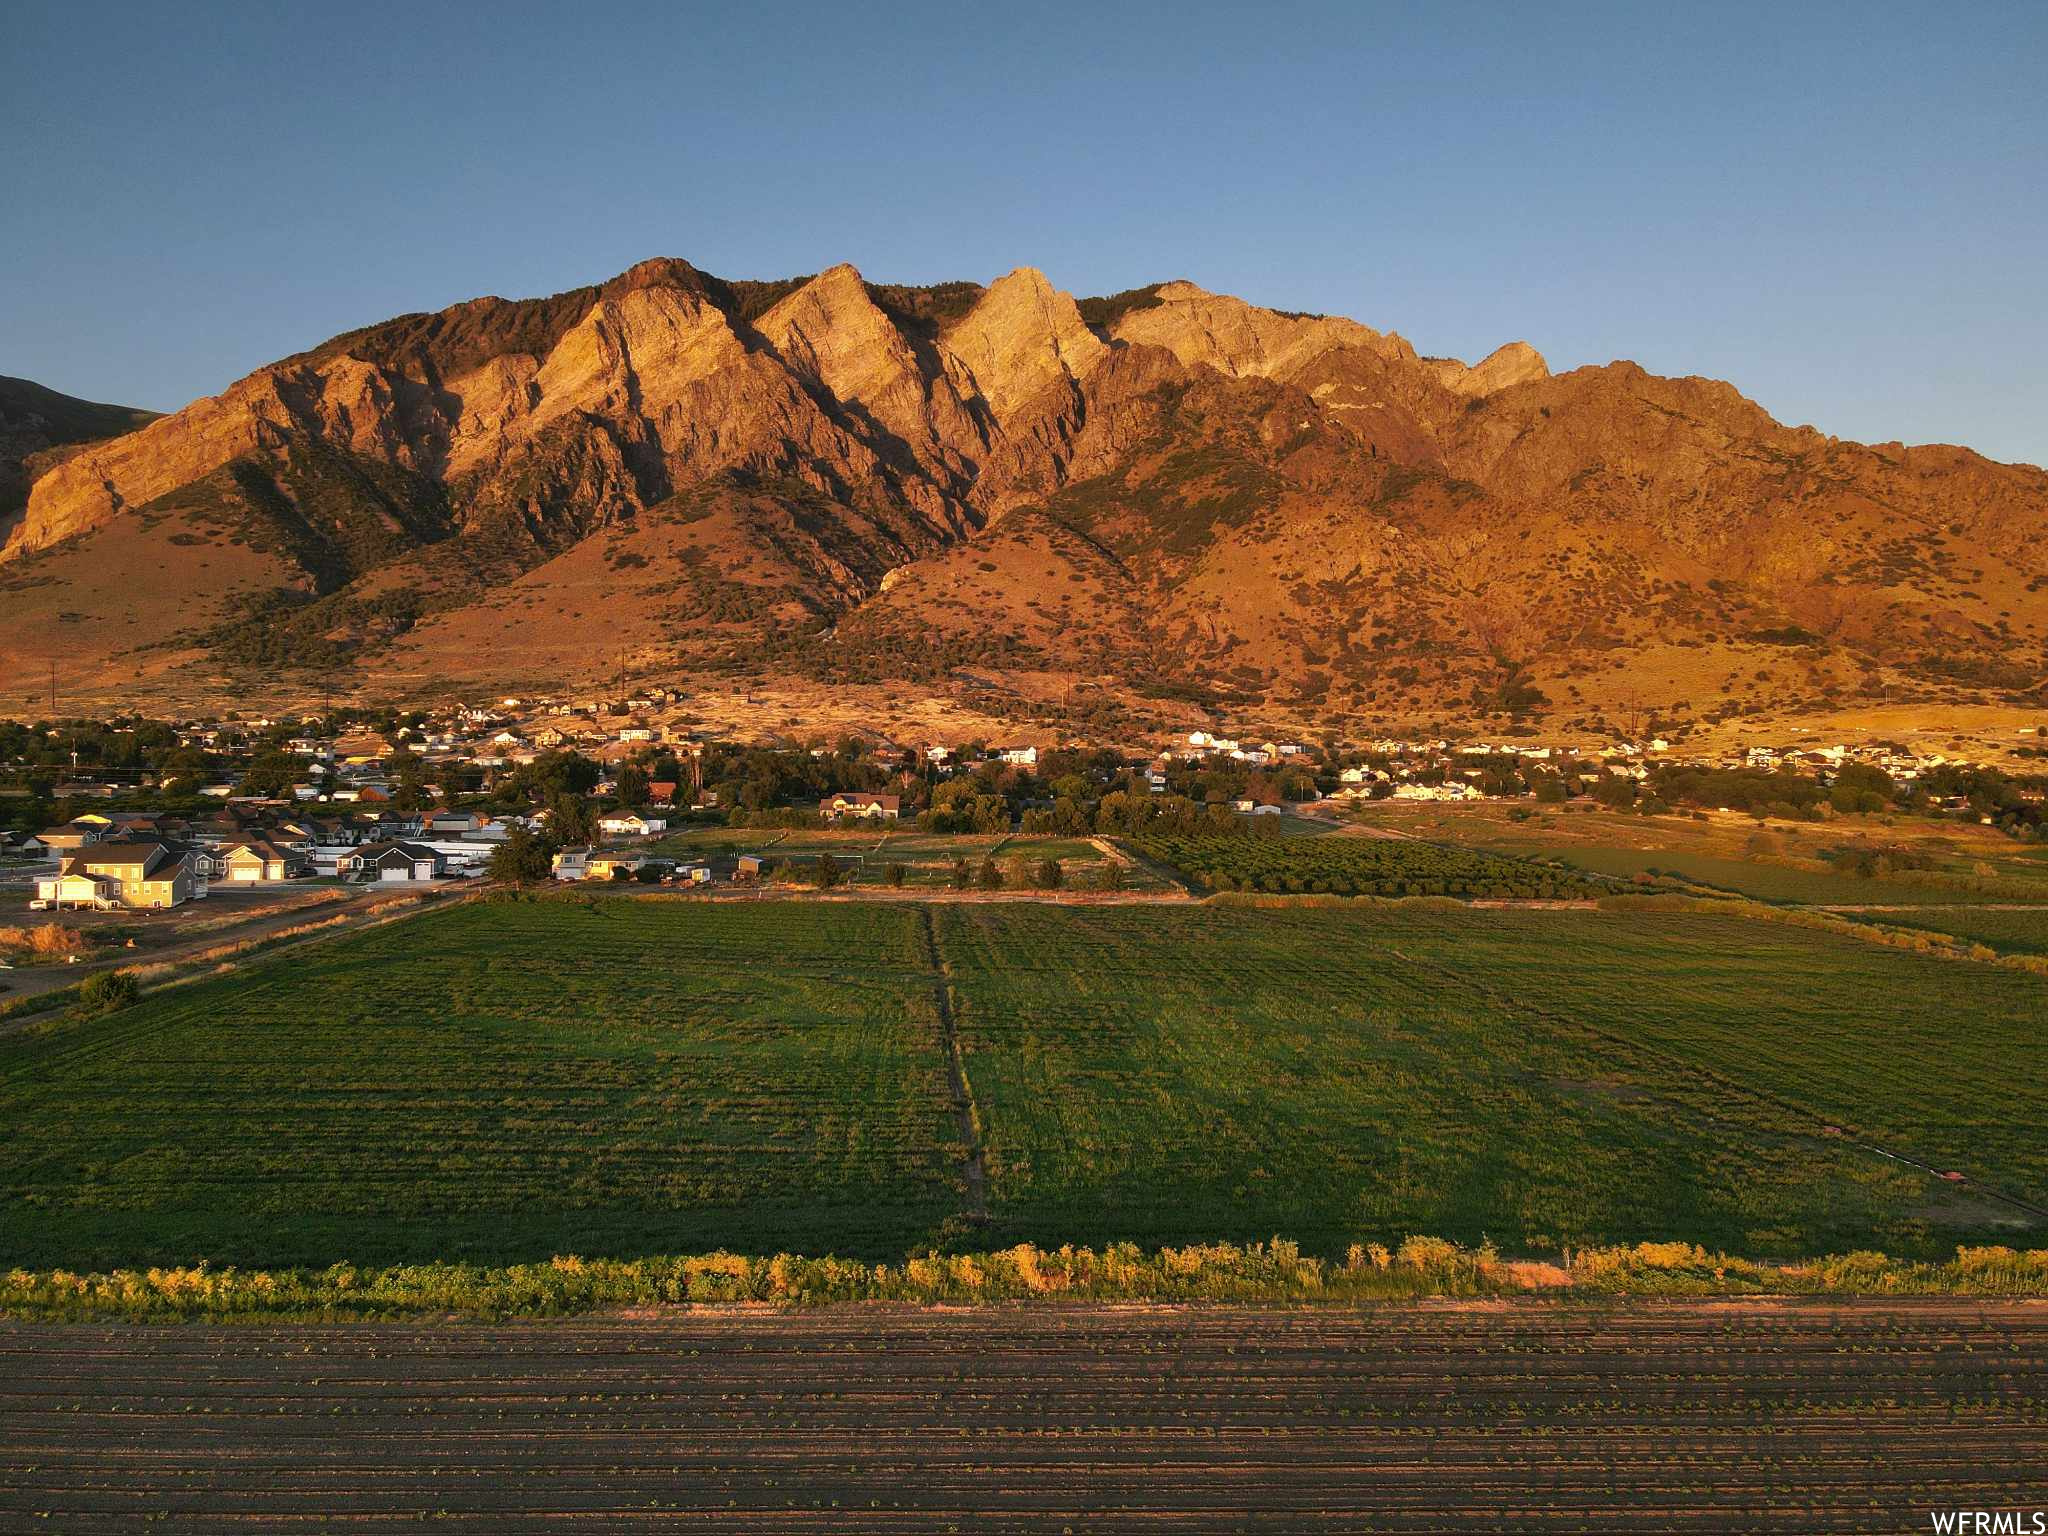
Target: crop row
[1360, 866]
[1670, 1418]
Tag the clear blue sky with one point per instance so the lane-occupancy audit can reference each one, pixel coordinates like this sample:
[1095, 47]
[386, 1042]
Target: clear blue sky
[1841, 208]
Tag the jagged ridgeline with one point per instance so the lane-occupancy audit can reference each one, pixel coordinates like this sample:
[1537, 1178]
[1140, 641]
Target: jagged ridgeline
[1166, 489]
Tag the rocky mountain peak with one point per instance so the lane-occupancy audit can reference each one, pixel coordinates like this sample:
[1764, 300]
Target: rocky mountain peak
[1505, 366]
[831, 333]
[1023, 337]
[1239, 339]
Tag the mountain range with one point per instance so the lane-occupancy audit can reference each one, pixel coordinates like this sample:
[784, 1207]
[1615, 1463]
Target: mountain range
[1161, 500]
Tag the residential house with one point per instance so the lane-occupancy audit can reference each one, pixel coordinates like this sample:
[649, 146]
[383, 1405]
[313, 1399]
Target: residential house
[662, 792]
[83, 789]
[1445, 791]
[307, 831]
[72, 836]
[393, 863]
[631, 824]
[142, 876]
[258, 859]
[456, 824]
[860, 807]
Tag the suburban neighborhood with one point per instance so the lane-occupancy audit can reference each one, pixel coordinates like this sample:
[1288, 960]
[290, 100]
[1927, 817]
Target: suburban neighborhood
[149, 816]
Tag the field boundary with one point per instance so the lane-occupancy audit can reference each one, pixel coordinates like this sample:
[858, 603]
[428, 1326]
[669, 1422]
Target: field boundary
[1275, 1274]
[966, 1113]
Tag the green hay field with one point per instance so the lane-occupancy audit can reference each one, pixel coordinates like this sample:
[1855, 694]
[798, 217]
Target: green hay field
[506, 1081]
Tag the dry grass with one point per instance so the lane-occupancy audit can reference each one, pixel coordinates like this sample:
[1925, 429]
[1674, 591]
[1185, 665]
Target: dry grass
[1273, 1272]
[44, 942]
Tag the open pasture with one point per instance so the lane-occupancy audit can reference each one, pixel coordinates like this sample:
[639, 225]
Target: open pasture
[1778, 862]
[1675, 1417]
[510, 1080]
[2009, 930]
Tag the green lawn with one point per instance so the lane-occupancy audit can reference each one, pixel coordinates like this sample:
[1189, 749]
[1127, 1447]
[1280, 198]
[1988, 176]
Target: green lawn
[511, 1080]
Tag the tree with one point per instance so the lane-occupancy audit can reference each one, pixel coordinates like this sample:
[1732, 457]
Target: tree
[963, 876]
[107, 991]
[1615, 791]
[892, 875]
[570, 819]
[826, 872]
[991, 877]
[270, 774]
[1112, 875]
[632, 787]
[522, 858]
[1050, 876]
